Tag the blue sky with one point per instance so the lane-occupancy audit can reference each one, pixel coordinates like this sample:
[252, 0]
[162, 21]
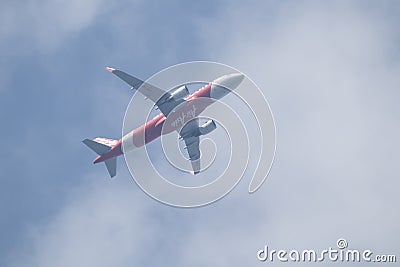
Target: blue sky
[329, 70]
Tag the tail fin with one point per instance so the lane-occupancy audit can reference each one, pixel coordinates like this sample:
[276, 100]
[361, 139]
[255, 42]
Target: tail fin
[102, 146]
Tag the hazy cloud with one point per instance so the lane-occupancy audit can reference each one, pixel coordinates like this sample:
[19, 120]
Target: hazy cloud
[329, 74]
[47, 24]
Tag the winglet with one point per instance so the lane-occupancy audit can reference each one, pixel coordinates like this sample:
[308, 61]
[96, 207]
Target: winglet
[110, 69]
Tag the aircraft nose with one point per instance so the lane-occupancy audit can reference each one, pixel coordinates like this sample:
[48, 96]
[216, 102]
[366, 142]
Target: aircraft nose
[230, 81]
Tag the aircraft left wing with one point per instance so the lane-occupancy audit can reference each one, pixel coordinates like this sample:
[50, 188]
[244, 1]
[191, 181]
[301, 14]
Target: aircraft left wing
[192, 142]
[162, 99]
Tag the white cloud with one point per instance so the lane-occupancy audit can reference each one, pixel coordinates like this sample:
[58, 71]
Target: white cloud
[47, 24]
[102, 224]
[328, 73]
[332, 86]
[29, 26]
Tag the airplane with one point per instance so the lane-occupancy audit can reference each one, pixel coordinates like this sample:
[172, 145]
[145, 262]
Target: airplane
[182, 111]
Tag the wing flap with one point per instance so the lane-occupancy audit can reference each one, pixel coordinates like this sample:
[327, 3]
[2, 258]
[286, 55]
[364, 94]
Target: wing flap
[192, 142]
[151, 92]
[161, 98]
[193, 149]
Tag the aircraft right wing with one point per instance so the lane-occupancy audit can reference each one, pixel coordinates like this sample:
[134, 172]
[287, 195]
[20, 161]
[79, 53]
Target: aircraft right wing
[163, 100]
[192, 142]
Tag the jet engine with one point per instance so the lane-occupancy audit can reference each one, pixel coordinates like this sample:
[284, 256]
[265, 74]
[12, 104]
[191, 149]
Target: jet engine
[179, 93]
[207, 127]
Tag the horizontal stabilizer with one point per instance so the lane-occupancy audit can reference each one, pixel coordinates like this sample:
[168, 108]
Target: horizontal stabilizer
[97, 147]
[111, 165]
[102, 146]
[106, 141]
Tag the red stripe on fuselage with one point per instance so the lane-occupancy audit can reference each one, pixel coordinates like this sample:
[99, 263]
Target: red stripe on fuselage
[153, 129]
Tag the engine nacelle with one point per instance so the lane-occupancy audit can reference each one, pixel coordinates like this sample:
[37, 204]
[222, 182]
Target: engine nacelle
[179, 93]
[207, 127]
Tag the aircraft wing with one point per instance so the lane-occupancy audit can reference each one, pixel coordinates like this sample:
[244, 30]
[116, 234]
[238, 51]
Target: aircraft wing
[161, 98]
[192, 142]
